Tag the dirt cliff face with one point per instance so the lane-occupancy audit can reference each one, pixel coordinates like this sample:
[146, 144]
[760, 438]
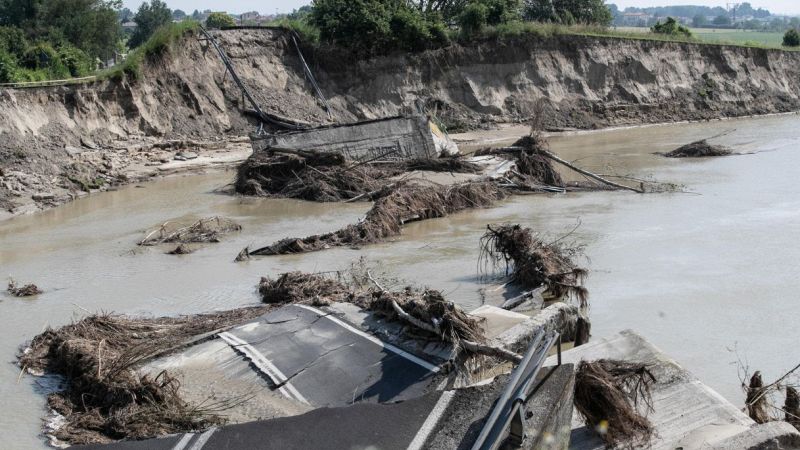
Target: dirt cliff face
[583, 82]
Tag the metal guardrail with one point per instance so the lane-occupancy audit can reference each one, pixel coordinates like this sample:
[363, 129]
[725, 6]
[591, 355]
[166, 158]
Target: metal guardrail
[508, 411]
[47, 83]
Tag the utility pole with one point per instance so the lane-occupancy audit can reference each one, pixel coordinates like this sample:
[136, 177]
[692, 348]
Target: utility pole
[732, 9]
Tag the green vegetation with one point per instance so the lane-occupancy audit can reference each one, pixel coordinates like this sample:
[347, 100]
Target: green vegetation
[747, 38]
[671, 28]
[220, 20]
[569, 12]
[154, 47]
[791, 38]
[55, 39]
[149, 18]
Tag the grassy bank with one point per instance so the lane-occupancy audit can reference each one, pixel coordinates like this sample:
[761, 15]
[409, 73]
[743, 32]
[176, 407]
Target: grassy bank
[158, 43]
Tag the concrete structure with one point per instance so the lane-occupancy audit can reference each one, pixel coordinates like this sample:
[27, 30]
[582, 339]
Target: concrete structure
[391, 138]
[687, 413]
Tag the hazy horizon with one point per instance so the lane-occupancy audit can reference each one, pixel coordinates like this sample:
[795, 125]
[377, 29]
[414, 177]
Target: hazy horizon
[284, 6]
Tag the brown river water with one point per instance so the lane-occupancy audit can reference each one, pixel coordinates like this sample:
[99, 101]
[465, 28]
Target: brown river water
[708, 275]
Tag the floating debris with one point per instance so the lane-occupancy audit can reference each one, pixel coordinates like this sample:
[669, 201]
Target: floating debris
[28, 290]
[607, 395]
[406, 203]
[699, 149]
[532, 263]
[210, 229]
[181, 249]
[105, 398]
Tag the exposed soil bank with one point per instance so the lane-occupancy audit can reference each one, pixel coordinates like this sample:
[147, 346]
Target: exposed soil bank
[586, 82]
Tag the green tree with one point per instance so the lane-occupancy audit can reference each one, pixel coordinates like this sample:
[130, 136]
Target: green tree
[178, 14]
[150, 17]
[671, 27]
[593, 12]
[474, 18]
[8, 68]
[220, 20]
[722, 20]
[699, 21]
[791, 38]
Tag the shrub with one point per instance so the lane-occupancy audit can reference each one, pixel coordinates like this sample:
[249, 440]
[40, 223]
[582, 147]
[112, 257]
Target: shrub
[12, 40]
[409, 30]
[77, 62]
[671, 27]
[8, 68]
[474, 18]
[220, 20]
[791, 38]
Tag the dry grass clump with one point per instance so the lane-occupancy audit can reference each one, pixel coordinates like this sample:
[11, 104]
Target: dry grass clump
[406, 203]
[210, 229]
[531, 262]
[699, 149]
[303, 288]
[607, 395]
[27, 290]
[105, 398]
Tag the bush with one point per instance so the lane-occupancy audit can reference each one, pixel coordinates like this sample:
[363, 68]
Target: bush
[671, 27]
[12, 40]
[220, 20]
[77, 62]
[569, 12]
[474, 18]
[8, 68]
[791, 38]
[409, 30]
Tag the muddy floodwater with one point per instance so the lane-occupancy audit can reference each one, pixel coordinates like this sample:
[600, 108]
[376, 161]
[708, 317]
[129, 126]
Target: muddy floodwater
[709, 275]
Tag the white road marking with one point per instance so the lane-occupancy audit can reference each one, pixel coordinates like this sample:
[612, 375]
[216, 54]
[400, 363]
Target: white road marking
[372, 338]
[430, 423]
[184, 440]
[265, 365]
[202, 439]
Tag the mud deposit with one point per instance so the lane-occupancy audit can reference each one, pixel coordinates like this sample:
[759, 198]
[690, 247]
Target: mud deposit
[696, 273]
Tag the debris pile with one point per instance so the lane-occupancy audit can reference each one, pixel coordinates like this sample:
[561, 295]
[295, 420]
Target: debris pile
[210, 229]
[105, 398]
[532, 263]
[608, 394]
[27, 290]
[406, 203]
[427, 312]
[699, 149]
[329, 177]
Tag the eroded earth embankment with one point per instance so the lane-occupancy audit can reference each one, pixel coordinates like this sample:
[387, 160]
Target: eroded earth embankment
[56, 142]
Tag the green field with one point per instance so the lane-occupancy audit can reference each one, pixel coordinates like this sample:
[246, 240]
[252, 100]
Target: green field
[726, 36]
[770, 39]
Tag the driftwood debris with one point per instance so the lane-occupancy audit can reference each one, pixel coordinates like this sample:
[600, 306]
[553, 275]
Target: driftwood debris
[757, 399]
[698, 149]
[532, 263]
[27, 290]
[210, 229]
[105, 397]
[609, 394]
[407, 203]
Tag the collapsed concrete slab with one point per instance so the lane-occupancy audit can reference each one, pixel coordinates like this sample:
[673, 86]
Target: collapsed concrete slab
[393, 138]
[686, 413]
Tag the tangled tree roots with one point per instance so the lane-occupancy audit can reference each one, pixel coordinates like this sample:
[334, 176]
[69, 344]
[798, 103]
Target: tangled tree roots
[210, 229]
[533, 263]
[607, 395]
[326, 177]
[407, 203]
[105, 397]
[27, 290]
[757, 399]
[531, 162]
[698, 149]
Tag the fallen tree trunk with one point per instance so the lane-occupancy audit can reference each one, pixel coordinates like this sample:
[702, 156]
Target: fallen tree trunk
[589, 174]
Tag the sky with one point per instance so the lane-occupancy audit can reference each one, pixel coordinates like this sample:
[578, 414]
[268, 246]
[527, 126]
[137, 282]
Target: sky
[284, 6]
